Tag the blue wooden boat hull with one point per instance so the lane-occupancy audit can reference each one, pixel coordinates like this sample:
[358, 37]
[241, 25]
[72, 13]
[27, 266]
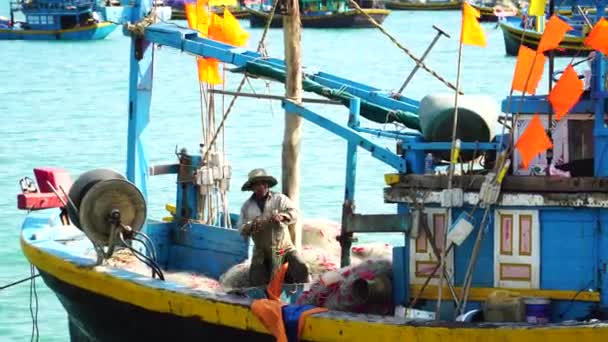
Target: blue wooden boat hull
[92, 32]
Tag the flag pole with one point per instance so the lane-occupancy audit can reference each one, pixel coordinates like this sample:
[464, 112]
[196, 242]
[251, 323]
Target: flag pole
[450, 179]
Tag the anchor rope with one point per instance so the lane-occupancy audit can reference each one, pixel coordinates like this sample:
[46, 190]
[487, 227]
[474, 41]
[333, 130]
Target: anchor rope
[34, 305]
[419, 62]
[19, 281]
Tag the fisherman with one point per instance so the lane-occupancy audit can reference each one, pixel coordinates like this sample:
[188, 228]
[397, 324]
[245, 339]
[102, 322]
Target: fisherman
[265, 216]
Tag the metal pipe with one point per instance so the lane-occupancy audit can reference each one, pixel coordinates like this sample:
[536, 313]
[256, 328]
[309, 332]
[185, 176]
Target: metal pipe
[438, 35]
[271, 97]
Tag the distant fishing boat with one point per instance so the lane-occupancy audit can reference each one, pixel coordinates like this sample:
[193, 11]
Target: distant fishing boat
[323, 14]
[239, 11]
[572, 44]
[55, 20]
[432, 5]
[491, 12]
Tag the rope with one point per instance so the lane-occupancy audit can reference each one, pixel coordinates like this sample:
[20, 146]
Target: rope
[403, 48]
[138, 29]
[240, 87]
[19, 281]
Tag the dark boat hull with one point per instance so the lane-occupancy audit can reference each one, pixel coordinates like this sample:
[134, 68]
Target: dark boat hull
[349, 19]
[415, 6]
[93, 317]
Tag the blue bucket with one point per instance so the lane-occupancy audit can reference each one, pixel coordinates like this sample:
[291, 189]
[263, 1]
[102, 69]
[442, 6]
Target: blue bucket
[538, 310]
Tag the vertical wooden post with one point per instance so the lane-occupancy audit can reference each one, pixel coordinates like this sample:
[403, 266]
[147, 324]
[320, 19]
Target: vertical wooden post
[293, 123]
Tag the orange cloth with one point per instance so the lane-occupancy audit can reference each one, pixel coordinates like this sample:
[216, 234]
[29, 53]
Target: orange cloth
[303, 317]
[566, 92]
[528, 70]
[533, 141]
[191, 14]
[269, 310]
[555, 30]
[471, 32]
[598, 37]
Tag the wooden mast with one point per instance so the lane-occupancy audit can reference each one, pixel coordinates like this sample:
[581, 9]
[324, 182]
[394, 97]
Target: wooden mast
[293, 123]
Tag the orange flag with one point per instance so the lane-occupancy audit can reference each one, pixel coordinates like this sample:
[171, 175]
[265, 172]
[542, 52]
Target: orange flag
[555, 30]
[209, 70]
[528, 70]
[566, 92]
[533, 141]
[471, 32]
[191, 14]
[598, 37]
[216, 28]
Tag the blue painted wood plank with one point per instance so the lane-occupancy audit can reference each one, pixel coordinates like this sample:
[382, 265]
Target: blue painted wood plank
[483, 274]
[568, 248]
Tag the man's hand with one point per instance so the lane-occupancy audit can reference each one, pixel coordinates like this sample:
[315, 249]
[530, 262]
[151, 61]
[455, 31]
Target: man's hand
[246, 230]
[279, 218]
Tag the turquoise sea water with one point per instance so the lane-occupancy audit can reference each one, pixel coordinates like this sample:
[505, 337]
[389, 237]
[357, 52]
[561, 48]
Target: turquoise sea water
[65, 104]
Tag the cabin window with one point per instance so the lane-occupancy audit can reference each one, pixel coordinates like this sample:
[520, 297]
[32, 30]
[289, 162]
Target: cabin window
[580, 142]
[50, 20]
[68, 21]
[43, 19]
[34, 19]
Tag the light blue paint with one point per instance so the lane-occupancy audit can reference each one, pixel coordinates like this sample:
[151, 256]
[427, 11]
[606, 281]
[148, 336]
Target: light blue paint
[140, 94]
[377, 152]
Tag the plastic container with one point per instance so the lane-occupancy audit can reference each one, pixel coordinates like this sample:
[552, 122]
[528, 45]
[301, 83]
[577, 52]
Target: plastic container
[538, 310]
[504, 306]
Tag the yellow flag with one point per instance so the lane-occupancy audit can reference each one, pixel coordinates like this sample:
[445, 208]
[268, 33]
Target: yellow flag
[222, 2]
[471, 32]
[537, 8]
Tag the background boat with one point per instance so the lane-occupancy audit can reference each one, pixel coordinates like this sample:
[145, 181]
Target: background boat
[55, 20]
[323, 14]
[238, 11]
[438, 5]
[571, 45]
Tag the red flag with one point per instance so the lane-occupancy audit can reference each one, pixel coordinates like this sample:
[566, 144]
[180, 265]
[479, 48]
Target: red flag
[555, 30]
[598, 37]
[566, 92]
[528, 70]
[533, 141]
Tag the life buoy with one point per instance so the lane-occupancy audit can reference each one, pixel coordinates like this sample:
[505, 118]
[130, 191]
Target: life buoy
[502, 12]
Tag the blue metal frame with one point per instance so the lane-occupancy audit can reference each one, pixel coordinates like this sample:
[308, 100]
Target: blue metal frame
[349, 134]
[140, 95]
[188, 41]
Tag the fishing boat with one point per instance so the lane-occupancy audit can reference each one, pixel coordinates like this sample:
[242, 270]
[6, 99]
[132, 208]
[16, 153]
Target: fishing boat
[238, 11]
[513, 32]
[55, 20]
[527, 249]
[322, 14]
[433, 5]
[491, 12]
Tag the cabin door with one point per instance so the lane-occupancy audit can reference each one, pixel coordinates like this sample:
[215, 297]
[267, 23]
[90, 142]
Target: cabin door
[422, 258]
[517, 249]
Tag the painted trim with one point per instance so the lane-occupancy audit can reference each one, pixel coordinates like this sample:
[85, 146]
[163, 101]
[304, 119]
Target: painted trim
[480, 294]
[578, 200]
[422, 263]
[423, 238]
[516, 259]
[78, 29]
[439, 241]
[502, 234]
[320, 327]
[507, 264]
[521, 236]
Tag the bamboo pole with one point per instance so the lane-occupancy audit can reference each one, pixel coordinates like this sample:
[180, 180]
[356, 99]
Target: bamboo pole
[293, 123]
